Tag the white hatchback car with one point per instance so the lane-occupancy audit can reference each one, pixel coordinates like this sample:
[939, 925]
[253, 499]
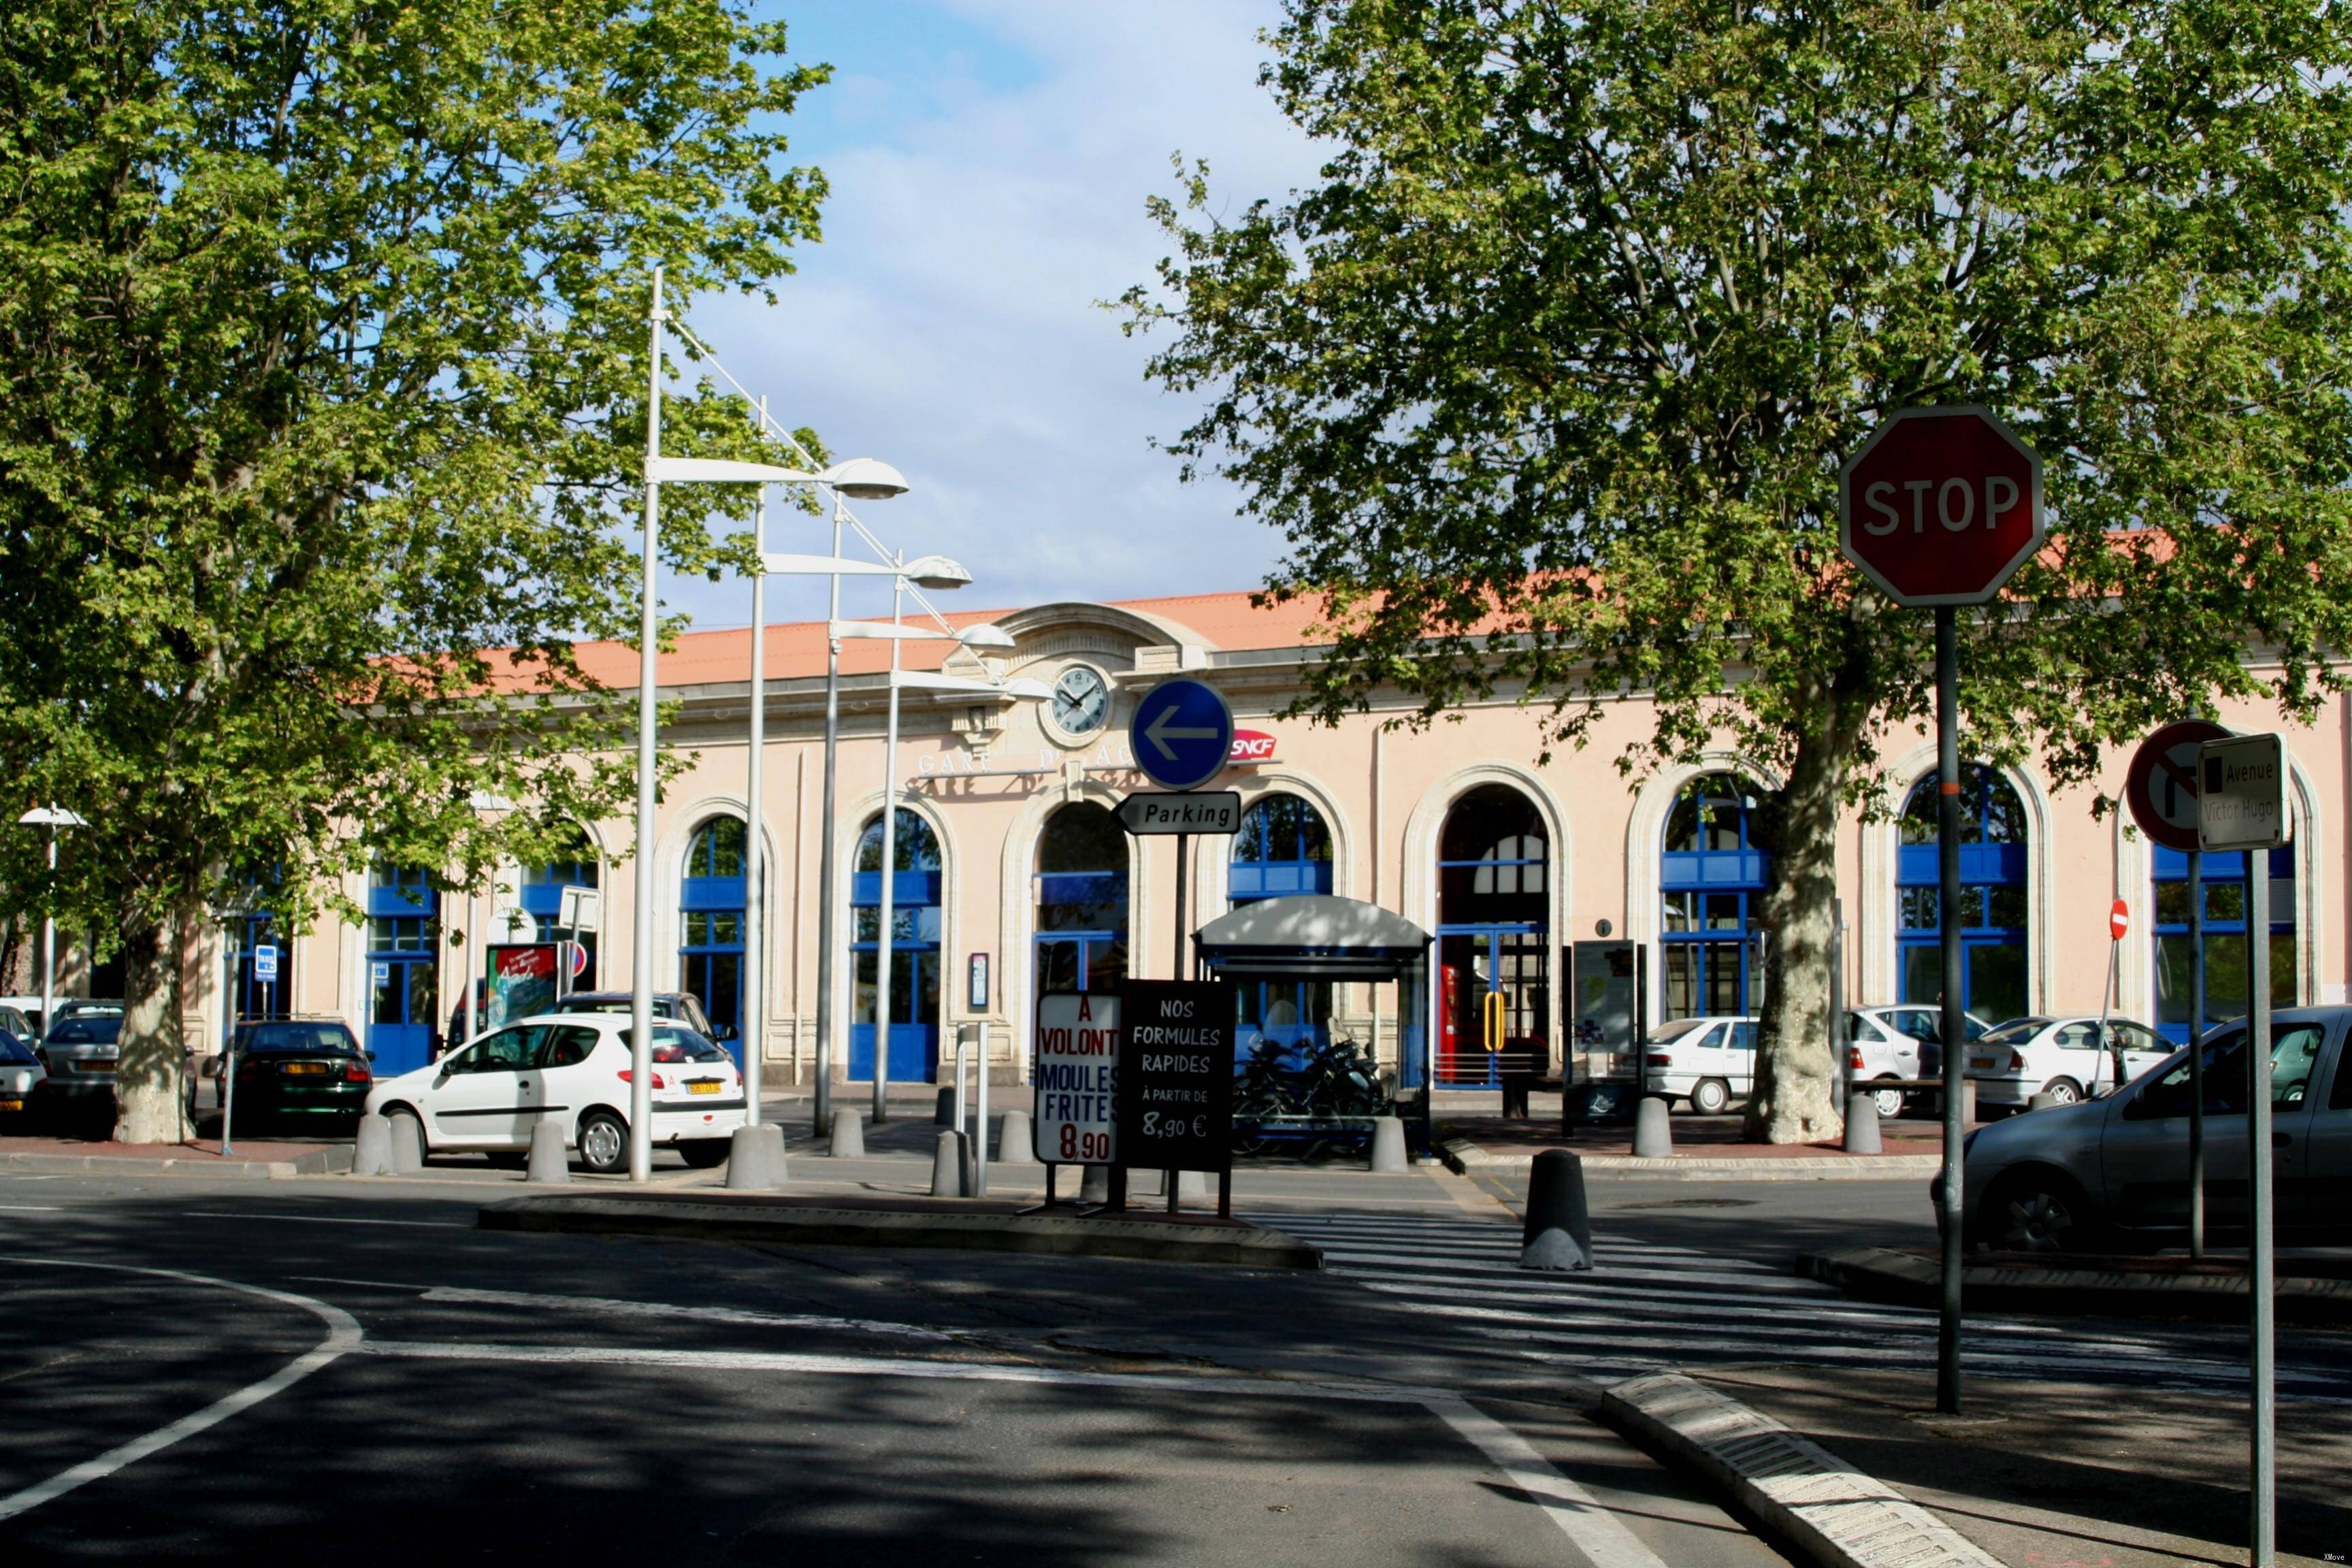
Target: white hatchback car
[2063, 1058]
[1707, 1061]
[488, 1095]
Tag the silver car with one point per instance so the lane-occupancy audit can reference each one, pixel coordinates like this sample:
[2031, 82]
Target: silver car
[81, 1051]
[21, 1076]
[2112, 1174]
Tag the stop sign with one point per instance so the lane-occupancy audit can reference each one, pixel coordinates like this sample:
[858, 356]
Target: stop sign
[1940, 505]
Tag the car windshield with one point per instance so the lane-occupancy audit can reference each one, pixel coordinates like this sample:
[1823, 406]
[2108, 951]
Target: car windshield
[675, 1045]
[86, 1030]
[2014, 1033]
[296, 1037]
[1677, 1030]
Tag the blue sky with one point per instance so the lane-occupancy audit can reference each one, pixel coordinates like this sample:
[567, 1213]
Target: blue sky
[990, 160]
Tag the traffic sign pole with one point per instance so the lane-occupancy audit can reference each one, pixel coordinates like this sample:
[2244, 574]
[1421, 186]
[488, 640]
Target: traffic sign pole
[2197, 1054]
[2261, 1439]
[1955, 1031]
[2118, 927]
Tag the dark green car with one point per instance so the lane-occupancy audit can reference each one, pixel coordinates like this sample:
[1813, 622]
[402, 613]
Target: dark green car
[299, 1071]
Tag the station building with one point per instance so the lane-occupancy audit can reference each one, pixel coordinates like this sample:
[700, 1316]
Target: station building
[1010, 861]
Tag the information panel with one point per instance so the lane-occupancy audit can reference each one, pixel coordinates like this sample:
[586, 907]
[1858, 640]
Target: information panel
[1176, 1075]
[1076, 1060]
[522, 981]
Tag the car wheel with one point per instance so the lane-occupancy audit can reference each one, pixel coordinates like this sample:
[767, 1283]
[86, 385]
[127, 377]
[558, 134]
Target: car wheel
[1709, 1096]
[604, 1142]
[1890, 1104]
[2064, 1090]
[705, 1154]
[2038, 1211]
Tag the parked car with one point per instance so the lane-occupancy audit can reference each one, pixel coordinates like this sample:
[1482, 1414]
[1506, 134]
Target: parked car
[302, 1069]
[1876, 1050]
[79, 1006]
[2112, 1174]
[574, 1069]
[81, 1051]
[2066, 1058]
[682, 1006]
[21, 1076]
[1708, 1061]
[16, 1025]
[1924, 1022]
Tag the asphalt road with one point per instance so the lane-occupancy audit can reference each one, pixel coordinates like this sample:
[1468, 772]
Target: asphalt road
[335, 1370]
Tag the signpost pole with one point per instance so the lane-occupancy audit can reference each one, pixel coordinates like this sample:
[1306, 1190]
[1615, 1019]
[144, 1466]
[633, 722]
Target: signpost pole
[1955, 1031]
[2264, 1522]
[2197, 1054]
[2106, 999]
[1183, 859]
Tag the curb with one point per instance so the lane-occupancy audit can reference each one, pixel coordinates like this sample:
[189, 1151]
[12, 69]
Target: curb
[1831, 1512]
[1463, 1157]
[317, 1162]
[754, 1216]
[1902, 1278]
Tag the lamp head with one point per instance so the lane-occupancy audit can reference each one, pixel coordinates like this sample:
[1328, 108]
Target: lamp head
[866, 479]
[1034, 690]
[987, 636]
[934, 572]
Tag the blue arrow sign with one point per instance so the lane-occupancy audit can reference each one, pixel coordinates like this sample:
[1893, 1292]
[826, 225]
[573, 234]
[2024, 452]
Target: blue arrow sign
[1181, 735]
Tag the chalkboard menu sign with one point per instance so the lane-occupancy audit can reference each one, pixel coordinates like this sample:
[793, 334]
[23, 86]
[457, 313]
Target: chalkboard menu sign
[1175, 1085]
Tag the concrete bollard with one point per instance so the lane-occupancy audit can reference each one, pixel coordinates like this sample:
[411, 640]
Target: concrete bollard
[943, 1112]
[1388, 1143]
[2042, 1101]
[755, 1158]
[1191, 1186]
[1015, 1144]
[1096, 1187]
[1860, 1123]
[848, 1141]
[407, 1145]
[1559, 1231]
[371, 1147]
[947, 1166]
[1653, 1132]
[548, 1160]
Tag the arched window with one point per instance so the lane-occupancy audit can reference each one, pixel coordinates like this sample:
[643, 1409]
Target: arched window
[914, 948]
[711, 910]
[1081, 900]
[1711, 873]
[1494, 909]
[573, 865]
[2225, 878]
[404, 911]
[1992, 898]
[1282, 848]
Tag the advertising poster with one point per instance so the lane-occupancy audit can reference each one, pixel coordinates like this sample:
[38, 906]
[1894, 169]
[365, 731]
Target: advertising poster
[1076, 1063]
[1175, 1080]
[522, 981]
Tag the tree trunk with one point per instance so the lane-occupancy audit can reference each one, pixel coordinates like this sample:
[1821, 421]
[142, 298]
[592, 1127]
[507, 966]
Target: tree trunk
[150, 1093]
[1795, 1097]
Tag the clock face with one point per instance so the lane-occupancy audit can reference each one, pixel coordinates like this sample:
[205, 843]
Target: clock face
[1081, 701]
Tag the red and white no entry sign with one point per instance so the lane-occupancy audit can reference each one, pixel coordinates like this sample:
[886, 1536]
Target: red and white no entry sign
[2161, 788]
[1940, 505]
[2119, 920]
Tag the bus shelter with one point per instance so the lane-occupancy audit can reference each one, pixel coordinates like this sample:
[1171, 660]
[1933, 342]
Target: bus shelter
[1363, 967]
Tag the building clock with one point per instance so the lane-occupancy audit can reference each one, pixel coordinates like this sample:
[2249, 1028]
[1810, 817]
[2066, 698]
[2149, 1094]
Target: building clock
[1081, 701]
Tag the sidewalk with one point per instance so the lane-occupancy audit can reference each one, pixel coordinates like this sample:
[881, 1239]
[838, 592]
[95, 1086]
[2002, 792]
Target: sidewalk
[197, 1156]
[1707, 1146]
[2061, 1473]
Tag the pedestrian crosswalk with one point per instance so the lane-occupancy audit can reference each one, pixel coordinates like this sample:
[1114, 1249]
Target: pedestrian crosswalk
[1650, 1305]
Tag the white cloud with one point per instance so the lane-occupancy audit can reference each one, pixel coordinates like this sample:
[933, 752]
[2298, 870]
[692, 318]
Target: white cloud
[985, 196]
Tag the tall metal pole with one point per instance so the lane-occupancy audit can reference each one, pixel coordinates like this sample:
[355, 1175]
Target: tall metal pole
[883, 937]
[755, 864]
[49, 941]
[1955, 1031]
[827, 933]
[2197, 1053]
[2263, 1525]
[641, 943]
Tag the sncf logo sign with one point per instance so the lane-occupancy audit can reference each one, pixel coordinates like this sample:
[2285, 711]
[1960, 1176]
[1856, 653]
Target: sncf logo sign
[1251, 746]
[1940, 505]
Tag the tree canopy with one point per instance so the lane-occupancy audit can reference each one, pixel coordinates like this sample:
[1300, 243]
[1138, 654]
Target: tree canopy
[325, 345]
[1549, 379]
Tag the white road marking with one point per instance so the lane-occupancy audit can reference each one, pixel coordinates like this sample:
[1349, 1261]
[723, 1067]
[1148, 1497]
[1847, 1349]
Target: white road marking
[614, 1307]
[31, 1208]
[343, 1334]
[327, 1219]
[1590, 1527]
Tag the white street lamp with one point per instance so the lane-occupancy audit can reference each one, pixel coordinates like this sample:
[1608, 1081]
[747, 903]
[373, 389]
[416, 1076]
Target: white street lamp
[51, 817]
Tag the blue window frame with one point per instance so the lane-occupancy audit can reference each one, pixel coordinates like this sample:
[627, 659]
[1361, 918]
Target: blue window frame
[2225, 879]
[404, 911]
[1711, 874]
[1081, 900]
[1494, 911]
[710, 908]
[1284, 848]
[915, 887]
[1993, 910]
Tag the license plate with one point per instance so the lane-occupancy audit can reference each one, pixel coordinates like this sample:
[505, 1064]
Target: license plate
[1982, 1062]
[703, 1086]
[314, 1069]
[11, 1105]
